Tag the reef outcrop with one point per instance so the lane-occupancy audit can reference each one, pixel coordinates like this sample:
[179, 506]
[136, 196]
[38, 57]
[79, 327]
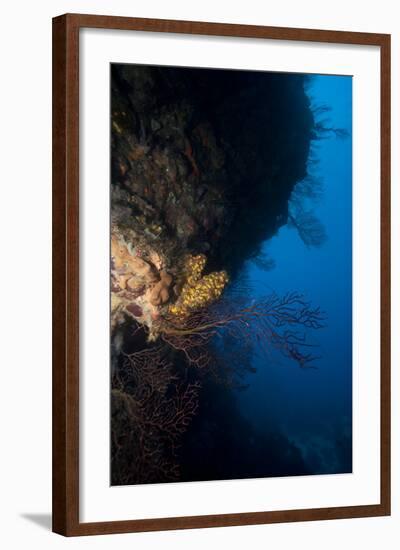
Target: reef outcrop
[203, 164]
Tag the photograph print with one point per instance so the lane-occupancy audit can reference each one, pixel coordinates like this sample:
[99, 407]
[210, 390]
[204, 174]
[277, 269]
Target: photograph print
[230, 274]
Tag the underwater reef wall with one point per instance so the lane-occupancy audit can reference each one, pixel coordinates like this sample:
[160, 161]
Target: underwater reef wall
[204, 161]
[203, 165]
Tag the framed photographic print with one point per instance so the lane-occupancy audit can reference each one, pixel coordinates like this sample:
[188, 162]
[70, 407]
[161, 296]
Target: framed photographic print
[221, 274]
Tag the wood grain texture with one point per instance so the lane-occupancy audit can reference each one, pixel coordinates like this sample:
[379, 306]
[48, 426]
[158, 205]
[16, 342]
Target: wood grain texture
[385, 274]
[65, 277]
[66, 273]
[59, 280]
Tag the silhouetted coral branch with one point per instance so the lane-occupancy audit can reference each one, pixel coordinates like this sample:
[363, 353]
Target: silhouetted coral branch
[151, 409]
[271, 322]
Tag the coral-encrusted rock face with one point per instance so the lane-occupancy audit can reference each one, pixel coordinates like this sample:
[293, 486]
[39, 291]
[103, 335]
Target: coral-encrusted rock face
[205, 160]
[160, 293]
[139, 286]
[144, 290]
[135, 310]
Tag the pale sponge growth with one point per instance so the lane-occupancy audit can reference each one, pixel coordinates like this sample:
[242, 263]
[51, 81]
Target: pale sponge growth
[160, 294]
[142, 288]
[140, 285]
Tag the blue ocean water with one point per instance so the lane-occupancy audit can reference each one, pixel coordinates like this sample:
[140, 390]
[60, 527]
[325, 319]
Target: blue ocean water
[313, 407]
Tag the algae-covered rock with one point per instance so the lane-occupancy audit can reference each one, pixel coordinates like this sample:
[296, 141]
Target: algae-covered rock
[206, 160]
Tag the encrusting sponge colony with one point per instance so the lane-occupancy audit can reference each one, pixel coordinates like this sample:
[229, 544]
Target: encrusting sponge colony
[197, 291]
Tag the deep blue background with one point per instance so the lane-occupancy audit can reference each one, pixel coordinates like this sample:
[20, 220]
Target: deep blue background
[313, 408]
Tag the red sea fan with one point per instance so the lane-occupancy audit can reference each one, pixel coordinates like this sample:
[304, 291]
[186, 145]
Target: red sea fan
[154, 401]
[269, 323]
[151, 409]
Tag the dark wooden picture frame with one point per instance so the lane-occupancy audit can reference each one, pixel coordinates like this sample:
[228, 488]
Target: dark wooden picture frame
[66, 273]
